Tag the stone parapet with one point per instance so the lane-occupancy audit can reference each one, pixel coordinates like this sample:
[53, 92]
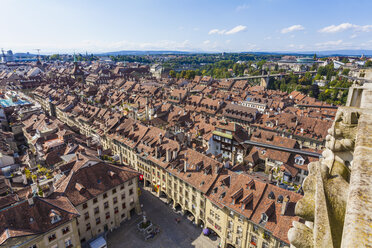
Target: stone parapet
[337, 202]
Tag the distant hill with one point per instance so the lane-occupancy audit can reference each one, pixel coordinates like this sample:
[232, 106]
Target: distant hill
[143, 53]
[319, 53]
[342, 52]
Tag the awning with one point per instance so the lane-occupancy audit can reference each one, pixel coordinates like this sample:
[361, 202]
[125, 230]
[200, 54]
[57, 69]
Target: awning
[99, 242]
[206, 231]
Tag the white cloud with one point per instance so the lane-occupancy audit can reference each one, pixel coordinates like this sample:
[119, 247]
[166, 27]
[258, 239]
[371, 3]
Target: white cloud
[353, 36]
[298, 47]
[268, 38]
[329, 44]
[336, 28]
[217, 31]
[206, 42]
[242, 7]
[227, 41]
[237, 29]
[292, 28]
[234, 30]
[346, 26]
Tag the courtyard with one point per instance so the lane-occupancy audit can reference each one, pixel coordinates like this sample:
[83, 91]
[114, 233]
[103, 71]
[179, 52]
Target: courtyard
[172, 234]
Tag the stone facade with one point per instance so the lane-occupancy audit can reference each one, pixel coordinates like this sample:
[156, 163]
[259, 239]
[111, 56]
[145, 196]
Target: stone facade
[337, 202]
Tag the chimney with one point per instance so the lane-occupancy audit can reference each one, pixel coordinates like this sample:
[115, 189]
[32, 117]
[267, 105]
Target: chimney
[185, 165]
[270, 176]
[180, 97]
[188, 139]
[285, 204]
[24, 178]
[276, 122]
[30, 199]
[217, 169]
[160, 138]
[227, 164]
[168, 155]
[156, 151]
[99, 151]
[233, 158]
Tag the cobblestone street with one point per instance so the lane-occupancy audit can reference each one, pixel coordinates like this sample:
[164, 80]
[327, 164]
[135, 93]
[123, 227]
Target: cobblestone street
[183, 234]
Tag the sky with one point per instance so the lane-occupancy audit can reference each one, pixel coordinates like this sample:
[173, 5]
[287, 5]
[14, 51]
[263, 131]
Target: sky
[93, 26]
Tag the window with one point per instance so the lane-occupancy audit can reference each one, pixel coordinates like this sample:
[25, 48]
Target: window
[65, 230]
[217, 217]
[123, 196]
[121, 187]
[123, 216]
[115, 200]
[231, 224]
[52, 237]
[255, 228]
[95, 200]
[229, 235]
[33, 246]
[282, 244]
[86, 215]
[114, 191]
[306, 172]
[254, 239]
[240, 219]
[88, 226]
[104, 195]
[265, 245]
[238, 241]
[123, 205]
[68, 243]
[106, 205]
[131, 192]
[116, 210]
[85, 205]
[96, 210]
[130, 182]
[239, 229]
[98, 220]
[108, 215]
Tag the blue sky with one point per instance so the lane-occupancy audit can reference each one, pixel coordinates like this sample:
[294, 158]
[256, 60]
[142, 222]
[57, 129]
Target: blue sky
[186, 25]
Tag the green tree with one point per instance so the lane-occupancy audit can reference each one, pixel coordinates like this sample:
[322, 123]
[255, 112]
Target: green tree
[314, 92]
[172, 74]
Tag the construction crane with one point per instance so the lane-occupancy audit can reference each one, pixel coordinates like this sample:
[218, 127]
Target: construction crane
[38, 53]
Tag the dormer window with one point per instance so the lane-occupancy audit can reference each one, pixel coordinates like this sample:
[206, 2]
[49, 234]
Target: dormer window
[271, 195]
[54, 216]
[299, 160]
[264, 217]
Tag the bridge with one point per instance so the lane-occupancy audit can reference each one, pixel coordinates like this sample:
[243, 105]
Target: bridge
[272, 75]
[362, 80]
[283, 149]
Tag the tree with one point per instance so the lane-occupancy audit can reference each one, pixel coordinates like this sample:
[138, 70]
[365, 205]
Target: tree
[172, 74]
[314, 91]
[345, 60]
[368, 63]
[345, 72]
